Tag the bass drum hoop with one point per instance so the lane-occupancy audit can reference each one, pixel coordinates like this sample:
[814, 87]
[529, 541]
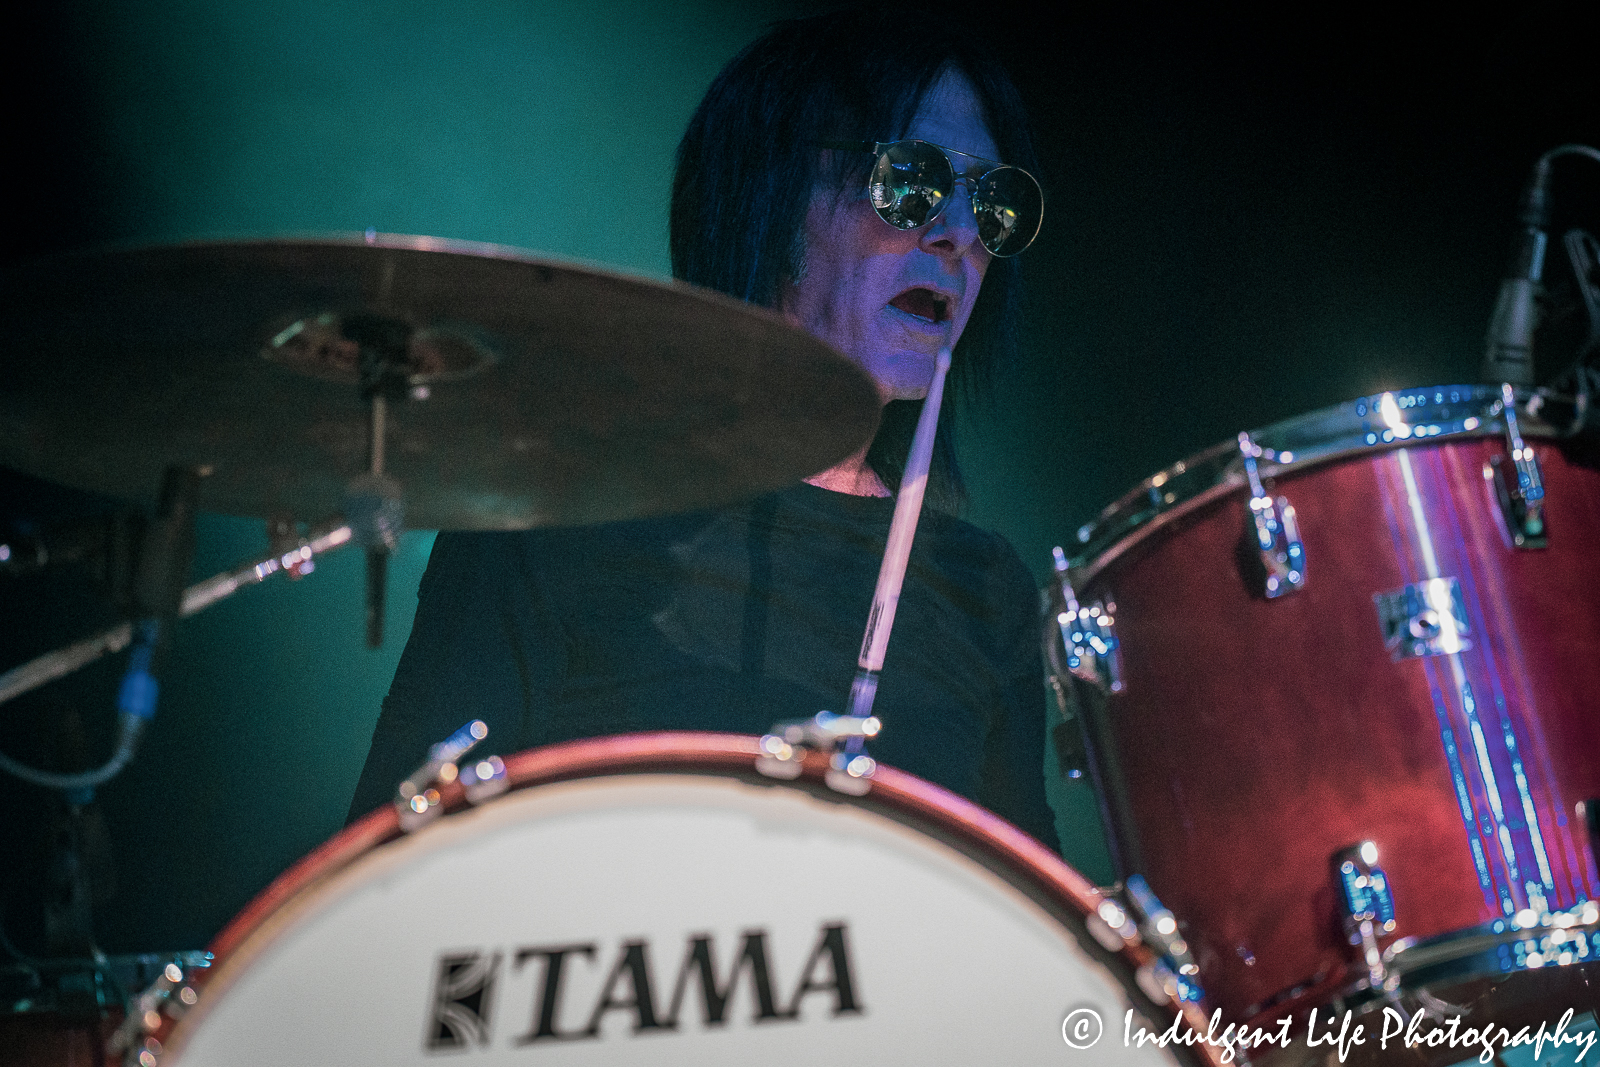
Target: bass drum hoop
[1010, 853]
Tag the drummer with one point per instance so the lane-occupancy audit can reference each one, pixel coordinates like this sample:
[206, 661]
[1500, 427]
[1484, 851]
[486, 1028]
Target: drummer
[733, 620]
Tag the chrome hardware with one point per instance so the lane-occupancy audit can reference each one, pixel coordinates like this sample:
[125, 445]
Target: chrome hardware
[1532, 938]
[1170, 977]
[1277, 533]
[1160, 984]
[1365, 425]
[1522, 503]
[1088, 635]
[171, 994]
[1426, 618]
[484, 779]
[418, 799]
[1177, 974]
[288, 547]
[1112, 926]
[1366, 904]
[784, 747]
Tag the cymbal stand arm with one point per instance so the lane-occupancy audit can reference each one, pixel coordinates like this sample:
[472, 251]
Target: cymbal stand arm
[196, 598]
[164, 561]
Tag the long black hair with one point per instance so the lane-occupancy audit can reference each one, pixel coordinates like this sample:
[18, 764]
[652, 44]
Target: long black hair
[749, 162]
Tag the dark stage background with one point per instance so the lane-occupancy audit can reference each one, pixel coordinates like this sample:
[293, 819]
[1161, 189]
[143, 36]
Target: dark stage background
[1247, 220]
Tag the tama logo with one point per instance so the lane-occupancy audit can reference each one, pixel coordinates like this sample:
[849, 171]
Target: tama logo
[579, 993]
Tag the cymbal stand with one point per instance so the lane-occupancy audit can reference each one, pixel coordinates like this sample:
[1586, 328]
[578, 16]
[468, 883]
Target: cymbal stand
[164, 560]
[292, 558]
[373, 501]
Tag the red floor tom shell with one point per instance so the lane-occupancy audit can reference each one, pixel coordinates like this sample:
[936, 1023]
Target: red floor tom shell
[1340, 681]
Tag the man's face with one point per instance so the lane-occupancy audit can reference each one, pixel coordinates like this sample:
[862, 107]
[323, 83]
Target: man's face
[891, 299]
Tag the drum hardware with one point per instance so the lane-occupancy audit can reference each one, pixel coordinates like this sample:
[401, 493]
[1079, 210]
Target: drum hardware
[418, 800]
[294, 560]
[1366, 424]
[283, 544]
[1366, 904]
[783, 750]
[1524, 524]
[483, 779]
[1521, 504]
[170, 996]
[1277, 534]
[165, 552]
[1408, 972]
[1114, 928]
[1427, 618]
[1175, 972]
[1088, 635]
[62, 1008]
[1531, 939]
[1083, 667]
[373, 500]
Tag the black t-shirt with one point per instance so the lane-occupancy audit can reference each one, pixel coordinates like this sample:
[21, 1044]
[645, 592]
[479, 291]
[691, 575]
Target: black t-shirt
[731, 621]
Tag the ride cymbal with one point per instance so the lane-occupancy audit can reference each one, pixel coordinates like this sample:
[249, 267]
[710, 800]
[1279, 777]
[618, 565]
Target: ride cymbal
[523, 392]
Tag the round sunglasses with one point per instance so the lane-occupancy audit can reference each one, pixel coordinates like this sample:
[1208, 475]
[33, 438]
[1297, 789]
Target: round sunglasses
[912, 180]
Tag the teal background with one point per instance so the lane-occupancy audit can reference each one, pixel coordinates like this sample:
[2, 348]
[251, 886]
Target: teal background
[1247, 221]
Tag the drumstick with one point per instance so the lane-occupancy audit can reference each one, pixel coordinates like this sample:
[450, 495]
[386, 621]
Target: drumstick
[903, 527]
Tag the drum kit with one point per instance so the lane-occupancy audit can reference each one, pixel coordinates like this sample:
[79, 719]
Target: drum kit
[1332, 681]
[537, 904]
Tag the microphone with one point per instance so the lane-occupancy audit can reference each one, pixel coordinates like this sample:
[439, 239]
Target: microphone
[1508, 353]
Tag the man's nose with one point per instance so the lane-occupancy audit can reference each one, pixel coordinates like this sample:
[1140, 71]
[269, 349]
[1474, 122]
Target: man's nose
[955, 231]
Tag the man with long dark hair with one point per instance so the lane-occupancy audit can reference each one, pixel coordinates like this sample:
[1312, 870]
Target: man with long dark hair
[849, 175]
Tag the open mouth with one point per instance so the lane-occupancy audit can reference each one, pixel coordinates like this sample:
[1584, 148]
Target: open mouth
[924, 304]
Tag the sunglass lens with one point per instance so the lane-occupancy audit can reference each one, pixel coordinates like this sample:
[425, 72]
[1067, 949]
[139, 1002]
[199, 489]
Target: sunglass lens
[1009, 207]
[909, 183]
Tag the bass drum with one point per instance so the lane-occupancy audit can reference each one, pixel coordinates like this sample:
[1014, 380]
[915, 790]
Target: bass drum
[1343, 670]
[651, 899]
